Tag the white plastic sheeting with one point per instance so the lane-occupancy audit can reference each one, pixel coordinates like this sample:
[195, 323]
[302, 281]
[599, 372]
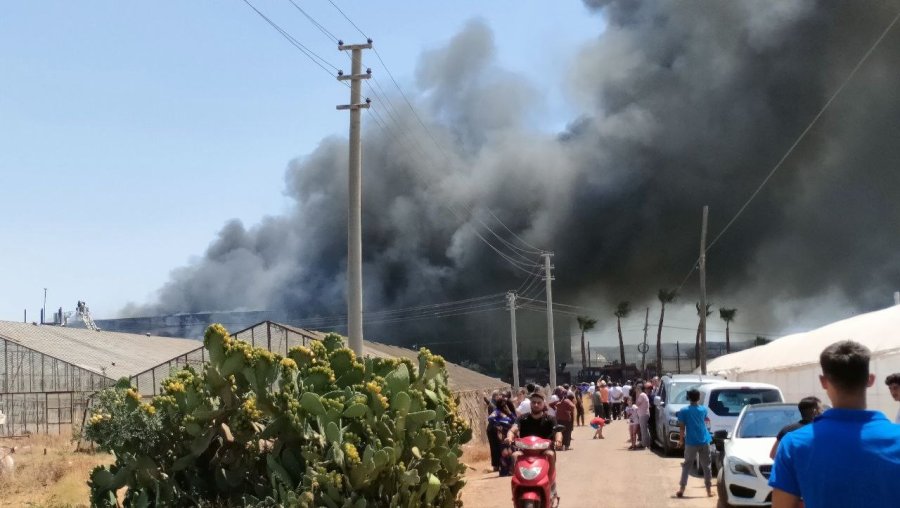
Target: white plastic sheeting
[792, 362]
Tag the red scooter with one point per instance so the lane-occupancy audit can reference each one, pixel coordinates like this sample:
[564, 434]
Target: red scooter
[533, 480]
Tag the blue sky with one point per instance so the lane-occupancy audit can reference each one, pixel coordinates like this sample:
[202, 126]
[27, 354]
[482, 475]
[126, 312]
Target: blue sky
[131, 131]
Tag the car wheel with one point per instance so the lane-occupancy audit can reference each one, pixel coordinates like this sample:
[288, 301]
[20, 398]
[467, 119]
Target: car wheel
[721, 491]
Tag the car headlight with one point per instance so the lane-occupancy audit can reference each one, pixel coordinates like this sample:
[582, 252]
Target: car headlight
[738, 466]
[530, 473]
[673, 422]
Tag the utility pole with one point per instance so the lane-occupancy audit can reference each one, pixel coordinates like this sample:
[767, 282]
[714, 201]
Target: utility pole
[44, 308]
[703, 290]
[354, 230]
[645, 347]
[551, 346]
[511, 297]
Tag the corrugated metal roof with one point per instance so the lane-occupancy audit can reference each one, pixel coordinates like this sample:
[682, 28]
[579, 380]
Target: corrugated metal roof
[118, 354]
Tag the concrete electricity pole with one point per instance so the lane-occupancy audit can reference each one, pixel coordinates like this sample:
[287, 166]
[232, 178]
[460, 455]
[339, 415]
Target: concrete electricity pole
[644, 346]
[551, 346]
[703, 291]
[354, 230]
[511, 297]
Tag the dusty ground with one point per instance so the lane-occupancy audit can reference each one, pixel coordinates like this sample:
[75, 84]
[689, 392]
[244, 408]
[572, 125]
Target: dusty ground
[56, 478]
[602, 474]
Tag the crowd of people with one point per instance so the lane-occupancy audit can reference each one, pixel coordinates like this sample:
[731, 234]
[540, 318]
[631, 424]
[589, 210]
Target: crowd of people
[846, 455]
[610, 400]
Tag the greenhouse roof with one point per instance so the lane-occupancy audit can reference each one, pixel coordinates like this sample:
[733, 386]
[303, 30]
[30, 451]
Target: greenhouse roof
[112, 354]
[461, 378]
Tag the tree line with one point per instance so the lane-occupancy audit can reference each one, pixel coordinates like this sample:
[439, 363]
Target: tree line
[665, 296]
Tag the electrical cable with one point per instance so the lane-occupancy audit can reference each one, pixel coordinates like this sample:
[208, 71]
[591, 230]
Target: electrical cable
[315, 58]
[800, 138]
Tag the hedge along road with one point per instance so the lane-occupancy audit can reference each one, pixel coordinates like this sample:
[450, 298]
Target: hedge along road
[603, 474]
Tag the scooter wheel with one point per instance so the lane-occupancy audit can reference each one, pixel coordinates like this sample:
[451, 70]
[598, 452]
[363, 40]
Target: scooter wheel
[529, 504]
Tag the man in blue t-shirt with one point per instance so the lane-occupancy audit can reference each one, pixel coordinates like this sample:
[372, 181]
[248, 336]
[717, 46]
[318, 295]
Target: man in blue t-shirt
[695, 440]
[848, 456]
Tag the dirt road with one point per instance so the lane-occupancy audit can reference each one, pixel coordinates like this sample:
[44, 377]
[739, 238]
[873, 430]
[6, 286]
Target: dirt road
[602, 474]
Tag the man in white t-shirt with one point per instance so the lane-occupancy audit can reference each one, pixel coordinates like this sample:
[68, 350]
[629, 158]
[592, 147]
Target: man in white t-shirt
[524, 407]
[643, 411]
[893, 384]
[616, 397]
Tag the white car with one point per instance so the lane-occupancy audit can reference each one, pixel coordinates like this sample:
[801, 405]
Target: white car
[726, 399]
[743, 478]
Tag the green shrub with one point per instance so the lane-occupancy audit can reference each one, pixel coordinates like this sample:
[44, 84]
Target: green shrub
[319, 427]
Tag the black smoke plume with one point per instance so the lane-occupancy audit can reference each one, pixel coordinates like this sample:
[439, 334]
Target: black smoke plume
[685, 104]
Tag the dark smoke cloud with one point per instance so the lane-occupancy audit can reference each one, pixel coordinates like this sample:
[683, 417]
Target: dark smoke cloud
[686, 104]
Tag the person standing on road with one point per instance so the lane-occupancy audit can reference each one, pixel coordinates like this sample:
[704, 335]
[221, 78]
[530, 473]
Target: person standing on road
[616, 396]
[596, 403]
[634, 423]
[810, 407]
[643, 411]
[565, 416]
[604, 399]
[579, 406]
[893, 384]
[848, 456]
[694, 438]
[652, 395]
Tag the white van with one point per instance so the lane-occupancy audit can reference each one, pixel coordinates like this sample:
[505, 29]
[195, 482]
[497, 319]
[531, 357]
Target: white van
[726, 399]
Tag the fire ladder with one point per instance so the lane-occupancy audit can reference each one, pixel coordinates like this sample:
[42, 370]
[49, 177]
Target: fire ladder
[83, 312]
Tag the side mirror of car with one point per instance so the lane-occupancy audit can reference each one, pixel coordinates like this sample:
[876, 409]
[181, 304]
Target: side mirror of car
[657, 401]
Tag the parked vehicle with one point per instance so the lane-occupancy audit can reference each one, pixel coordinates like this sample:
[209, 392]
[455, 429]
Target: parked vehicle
[744, 474]
[726, 399]
[672, 396]
[534, 480]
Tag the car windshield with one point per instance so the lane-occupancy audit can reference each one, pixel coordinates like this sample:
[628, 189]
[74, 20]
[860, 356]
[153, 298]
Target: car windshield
[730, 401]
[766, 422]
[678, 392]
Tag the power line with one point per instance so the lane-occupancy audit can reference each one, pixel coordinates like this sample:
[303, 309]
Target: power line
[315, 23]
[523, 263]
[422, 124]
[315, 58]
[800, 138]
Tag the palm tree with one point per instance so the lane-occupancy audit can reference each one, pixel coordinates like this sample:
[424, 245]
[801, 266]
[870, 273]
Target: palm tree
[622, 310]
[727, 315]
[586, 324]
[665, 296]
[697, 342]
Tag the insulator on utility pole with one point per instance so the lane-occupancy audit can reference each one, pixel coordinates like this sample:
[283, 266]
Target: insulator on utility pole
[511, 298]
[354, 230]
[551, 345]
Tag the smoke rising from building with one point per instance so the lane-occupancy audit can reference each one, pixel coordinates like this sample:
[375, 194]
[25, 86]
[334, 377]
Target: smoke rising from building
[685, 105]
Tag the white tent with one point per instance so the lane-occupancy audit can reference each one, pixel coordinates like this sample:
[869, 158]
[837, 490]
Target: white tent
[792, 362]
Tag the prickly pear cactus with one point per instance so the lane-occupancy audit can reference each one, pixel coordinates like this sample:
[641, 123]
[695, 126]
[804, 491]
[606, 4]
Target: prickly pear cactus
[319, 427]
